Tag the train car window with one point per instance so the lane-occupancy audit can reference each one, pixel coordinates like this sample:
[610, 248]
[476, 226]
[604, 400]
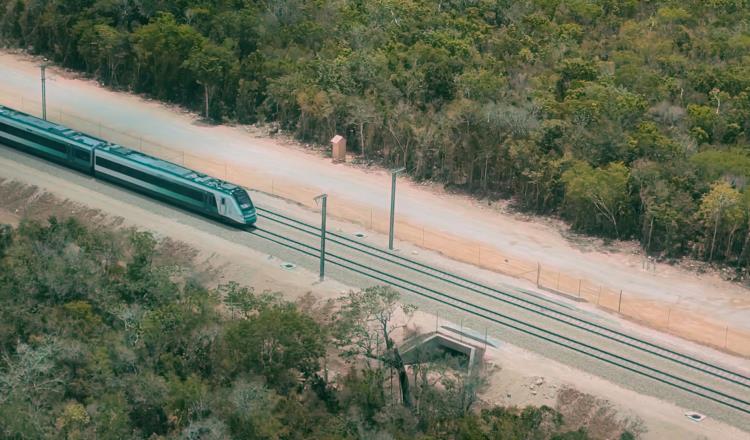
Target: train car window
[114, 166]
[186, 191]
[54, 145]
[242, 197]
[82, 155]
[10, 129]
[57, 146]
[13, 130]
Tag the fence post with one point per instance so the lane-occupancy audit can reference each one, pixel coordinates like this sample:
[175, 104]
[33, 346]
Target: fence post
[619, 302]
[538, 271]
[579, 288]
[726, 336]
[669, 317]
[558, 281]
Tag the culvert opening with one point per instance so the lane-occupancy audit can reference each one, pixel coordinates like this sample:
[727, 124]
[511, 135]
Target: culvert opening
[435, 347]
[455, 357]
[360, 234]
[288, 266]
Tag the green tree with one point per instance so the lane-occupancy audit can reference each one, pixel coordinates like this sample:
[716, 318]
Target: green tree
[366, 317]
[601, 116]
[721, 210]
[572, 71]
[279, 342]
[210, 65]
[72, 421]
[603, 192]
[160, 49]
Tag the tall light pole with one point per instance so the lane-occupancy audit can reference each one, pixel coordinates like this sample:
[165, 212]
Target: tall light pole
[394, 173]
[324, 198]
[44, 89]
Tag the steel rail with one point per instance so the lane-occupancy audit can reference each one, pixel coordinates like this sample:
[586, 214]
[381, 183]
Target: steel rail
[580, 347]
[544, 310]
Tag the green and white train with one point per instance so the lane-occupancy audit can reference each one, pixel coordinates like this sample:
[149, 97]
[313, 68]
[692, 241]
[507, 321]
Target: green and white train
[158, 178]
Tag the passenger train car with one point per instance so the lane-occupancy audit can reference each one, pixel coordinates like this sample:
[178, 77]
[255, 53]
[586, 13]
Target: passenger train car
[158, 178]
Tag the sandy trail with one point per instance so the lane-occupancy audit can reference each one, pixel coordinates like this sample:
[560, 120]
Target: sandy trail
[429, 206]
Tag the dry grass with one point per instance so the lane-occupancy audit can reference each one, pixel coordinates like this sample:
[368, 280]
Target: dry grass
[597, 416]
[29, 202]
[19, 202]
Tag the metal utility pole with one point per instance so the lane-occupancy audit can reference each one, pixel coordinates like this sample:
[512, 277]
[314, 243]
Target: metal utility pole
[44, 90]
[324, 198]
[394, 173]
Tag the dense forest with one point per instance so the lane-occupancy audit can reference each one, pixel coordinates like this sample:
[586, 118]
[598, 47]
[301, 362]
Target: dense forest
[114, 335]
[627, 118]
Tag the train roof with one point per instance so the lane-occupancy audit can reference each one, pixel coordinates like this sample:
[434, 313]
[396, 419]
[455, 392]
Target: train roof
[170, 168]
[91, 142]
[81, 139]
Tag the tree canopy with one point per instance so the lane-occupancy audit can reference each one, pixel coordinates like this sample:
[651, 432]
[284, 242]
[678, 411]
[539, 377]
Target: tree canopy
[113, 335]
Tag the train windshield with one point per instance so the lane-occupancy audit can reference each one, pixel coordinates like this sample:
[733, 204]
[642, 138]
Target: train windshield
[242, 198]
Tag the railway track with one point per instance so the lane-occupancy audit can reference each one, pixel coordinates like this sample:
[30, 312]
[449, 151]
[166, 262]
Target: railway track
[529, 314]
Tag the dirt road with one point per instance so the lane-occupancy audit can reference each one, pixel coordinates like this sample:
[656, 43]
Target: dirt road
[428, 206]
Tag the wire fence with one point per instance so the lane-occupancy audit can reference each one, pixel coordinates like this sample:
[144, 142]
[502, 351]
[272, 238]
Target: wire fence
[668, 317]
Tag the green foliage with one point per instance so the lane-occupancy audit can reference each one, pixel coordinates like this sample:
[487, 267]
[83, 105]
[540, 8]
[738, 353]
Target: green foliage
[73, 420]
[603, 192]
[722, 210]
[668, 206]
[160, 48]
[210, 65]
[647, 142]
[572, 72]
[279, 343]
[168, 363]
[493, 97]
[732, 165]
